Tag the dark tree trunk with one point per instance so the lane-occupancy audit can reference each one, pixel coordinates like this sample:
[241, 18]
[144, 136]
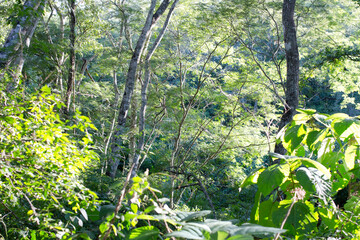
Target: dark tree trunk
[151, 20]
[71, 77]
[292, 65]
[11, 54]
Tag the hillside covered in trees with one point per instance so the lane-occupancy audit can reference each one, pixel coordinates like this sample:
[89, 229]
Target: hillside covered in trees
[179, 119]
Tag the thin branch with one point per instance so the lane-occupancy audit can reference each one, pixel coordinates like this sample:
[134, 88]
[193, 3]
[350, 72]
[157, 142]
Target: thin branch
[119, 203]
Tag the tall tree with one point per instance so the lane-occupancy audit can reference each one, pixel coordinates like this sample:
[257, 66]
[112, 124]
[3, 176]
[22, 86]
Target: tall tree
[11, 54]
[144, 88]
[151, 20]
[292, 67]
[72, 68]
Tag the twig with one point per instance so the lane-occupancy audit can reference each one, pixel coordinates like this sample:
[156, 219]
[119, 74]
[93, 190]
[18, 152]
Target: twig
[286, 217]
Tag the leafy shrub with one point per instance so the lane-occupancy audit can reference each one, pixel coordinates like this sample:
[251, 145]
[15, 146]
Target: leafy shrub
[41, 195]
[142, 215]
[297, 192]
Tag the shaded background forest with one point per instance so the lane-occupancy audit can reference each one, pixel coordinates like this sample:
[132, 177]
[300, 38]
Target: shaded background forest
[216, 87]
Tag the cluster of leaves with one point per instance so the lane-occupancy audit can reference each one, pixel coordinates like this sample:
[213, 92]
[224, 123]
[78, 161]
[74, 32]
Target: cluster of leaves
[296, 193]
[42, 196]
[143, 215]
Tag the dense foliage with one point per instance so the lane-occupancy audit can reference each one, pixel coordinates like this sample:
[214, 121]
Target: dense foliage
[302, 191]
[188, 96]
[42, 196]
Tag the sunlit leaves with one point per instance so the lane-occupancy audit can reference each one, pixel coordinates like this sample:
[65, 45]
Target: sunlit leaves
[273, 177]
[42, 165]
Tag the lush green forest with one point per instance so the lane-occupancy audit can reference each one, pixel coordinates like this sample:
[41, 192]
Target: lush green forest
[179, 119]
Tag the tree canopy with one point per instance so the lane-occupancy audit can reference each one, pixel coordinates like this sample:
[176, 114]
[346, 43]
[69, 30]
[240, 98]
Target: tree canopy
[179, 119]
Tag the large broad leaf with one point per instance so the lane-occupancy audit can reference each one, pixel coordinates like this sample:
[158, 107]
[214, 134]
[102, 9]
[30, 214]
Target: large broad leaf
[273, 177]
[329, 159]
[220, 235]
[338, 116]
[251, 179]
[241, 237]
[353, 205]
[311, 137]
[346, 127]
[144, 233]
[302, 216]
[265, 211]
[106, 210]
[323, 119]
[216, 225]
[186, 216]
[350, 155]
[317, 140]
[254, 216]
[254, 229]
[303, 175]
[314, 181]
[294, 135]
[311, 163]
[190, 231]
[342, 178]
[301, 118]
[326, 146]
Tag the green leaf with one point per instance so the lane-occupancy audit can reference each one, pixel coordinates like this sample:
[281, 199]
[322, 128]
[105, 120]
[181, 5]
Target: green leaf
[186, 234]
[134, 207]
[323, 119]
[350, 156]
[146, 217]
[254, 229]
[191, 215]
[106, 210]
[104, 227]
[251, 179]
[338, 116]
[217, 225]
[311, 163]
[149, 209]
[219, 235]
[84, 214]
[144, 233]
[302, 218]
[294, 136]
[313, 180]
[46, 89]
[330, 159]
[317, 140]
[326, 146]
[273, 177]
[137, 179]
[304, 176]
[301, 118]
[311, 137]
[254, 217]
[306, 111]
[346, 127]
[265, 211]
[241, 237]
[353, 205]
[190, 231]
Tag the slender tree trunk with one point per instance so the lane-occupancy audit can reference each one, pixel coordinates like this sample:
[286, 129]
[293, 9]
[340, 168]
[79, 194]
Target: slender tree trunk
[144, 88]
[60, 58]
[11, 54]
[151, 20]
[292, 65]
[71, 77]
